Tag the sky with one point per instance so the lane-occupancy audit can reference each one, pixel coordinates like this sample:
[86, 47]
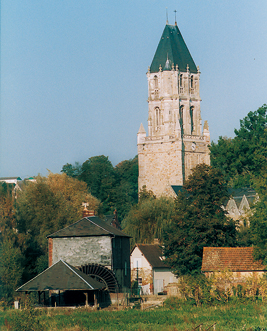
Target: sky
[73, 74]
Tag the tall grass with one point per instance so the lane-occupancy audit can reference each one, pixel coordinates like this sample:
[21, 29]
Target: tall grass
[175, 316]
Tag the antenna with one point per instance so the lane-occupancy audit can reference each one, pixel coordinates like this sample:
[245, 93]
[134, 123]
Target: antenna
[167, 22]
[175, 11]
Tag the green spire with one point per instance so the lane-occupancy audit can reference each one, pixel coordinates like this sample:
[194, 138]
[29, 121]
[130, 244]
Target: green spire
[172, 50]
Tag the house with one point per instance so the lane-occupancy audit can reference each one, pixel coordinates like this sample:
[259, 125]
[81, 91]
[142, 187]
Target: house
[149, 269]
[240, 203]
[238, 260]
[96, 248]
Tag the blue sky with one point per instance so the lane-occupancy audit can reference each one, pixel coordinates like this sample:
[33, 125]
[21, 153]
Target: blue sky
[73, 74]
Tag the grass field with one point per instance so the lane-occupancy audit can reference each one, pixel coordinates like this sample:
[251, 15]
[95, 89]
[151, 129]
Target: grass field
[238, 316]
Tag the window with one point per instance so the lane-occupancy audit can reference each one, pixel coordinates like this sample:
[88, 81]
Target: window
[181, 88]
[156, 82]
[157, 117]
[192, 82]
[125, 268]
[181, 118]
[192, 118]
[181, 80]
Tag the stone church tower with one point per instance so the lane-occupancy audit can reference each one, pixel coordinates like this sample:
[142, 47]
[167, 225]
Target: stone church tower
[175, 142]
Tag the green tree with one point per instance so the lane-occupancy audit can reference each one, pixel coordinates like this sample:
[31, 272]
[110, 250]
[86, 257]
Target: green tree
[126, 173]
[116, 187]
[10, 269]
[198, 221]
[258, 220]
[147, 220]
[243, 158]
[99, 175]
[72, 170]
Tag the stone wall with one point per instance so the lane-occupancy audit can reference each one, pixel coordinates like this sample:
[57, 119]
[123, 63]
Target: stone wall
[78, 251]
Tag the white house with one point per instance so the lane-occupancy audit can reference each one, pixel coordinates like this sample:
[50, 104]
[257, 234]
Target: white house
[149, 267]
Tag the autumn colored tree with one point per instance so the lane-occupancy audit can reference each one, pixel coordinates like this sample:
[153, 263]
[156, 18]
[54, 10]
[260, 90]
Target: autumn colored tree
[198, 221]
[44, 207]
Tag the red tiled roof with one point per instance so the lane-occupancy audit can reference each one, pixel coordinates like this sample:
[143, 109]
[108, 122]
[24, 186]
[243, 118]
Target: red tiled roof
[231, 258]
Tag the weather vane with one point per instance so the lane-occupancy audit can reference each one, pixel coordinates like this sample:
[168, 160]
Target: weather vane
[175, 16]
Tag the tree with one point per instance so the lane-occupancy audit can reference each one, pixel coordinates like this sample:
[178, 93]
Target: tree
[98, 173]
[243, 158]
[258, 220]
[198, 221]
[10, 269]
[148, 218]
[116, 187]
[44, 207]
[126, 186]
[72, 170]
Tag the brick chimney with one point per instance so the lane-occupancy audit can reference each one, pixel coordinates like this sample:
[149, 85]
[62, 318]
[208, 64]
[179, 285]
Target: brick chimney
[86, 212]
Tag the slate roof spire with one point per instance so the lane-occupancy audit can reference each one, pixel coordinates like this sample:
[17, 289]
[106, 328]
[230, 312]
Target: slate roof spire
[172, 48]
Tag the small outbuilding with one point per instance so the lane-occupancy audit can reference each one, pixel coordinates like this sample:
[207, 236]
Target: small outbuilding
[238, 260]
[68, 285]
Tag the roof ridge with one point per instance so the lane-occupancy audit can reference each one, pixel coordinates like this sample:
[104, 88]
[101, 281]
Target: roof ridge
[69, 266]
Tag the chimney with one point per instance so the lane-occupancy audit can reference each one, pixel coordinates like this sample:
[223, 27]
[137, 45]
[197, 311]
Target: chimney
[86, 212]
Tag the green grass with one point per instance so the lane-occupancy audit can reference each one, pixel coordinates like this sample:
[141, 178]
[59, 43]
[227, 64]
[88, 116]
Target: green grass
[238, 316]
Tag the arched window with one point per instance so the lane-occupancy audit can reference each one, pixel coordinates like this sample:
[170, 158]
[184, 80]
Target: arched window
[192, 82]
[158, 117]
[192, 118]
[181, 113]
[181, 84]
[156, 82]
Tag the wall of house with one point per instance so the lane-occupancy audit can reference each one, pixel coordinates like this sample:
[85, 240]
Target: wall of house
[165, 274]
[145, 274]
[237, 277]
[78, 251]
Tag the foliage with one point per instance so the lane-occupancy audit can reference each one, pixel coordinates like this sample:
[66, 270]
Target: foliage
[258, 221]
[44, 207]
[99, 175]
[243, 158]
[126, 186]
[116, 187]
[72, 170]
[10, 269]
[198, 221]
[26, 320]
[148, 218]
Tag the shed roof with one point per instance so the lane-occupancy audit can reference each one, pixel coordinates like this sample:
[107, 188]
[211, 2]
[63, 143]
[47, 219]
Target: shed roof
[231, 258]
[172, 49]
[153, 254]
[88, 227]
[61, 276]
